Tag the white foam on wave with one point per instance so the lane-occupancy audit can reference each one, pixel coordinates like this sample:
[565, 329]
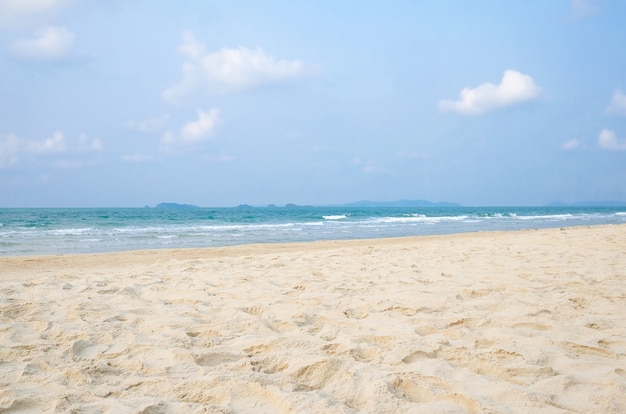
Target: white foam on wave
[71, 231]
[335, 217]
[545, 217]
[418, 218]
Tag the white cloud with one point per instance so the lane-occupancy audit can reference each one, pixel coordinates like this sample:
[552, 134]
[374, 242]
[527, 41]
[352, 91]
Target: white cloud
[608, 140]
[571, 144]
[49, 43]
[201, 128]
[193, 132]
[618, 103]
[26, 7]
[515, 87]
[368, 167]
[93, 144]
[15, 150]
[56, 143]
[20, 13]
[228, 69]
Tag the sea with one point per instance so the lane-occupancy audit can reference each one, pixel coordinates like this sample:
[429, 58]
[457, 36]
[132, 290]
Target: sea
[51, 231]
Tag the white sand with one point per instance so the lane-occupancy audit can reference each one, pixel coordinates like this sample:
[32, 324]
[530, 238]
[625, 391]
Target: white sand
[511, 322]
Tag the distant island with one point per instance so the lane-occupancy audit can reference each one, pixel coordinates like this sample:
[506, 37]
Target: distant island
[362, 203]
[400, 203]
[397, 203]
[176, 206]
[606, 203]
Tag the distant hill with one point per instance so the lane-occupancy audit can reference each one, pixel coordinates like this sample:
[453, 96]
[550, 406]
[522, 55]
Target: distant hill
[400, 203]
[605, 203]
[175, 205]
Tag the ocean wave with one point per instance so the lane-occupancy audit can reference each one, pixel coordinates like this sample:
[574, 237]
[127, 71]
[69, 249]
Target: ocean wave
[553, 217]
[418, 218]
[85, 231]
[335, 217]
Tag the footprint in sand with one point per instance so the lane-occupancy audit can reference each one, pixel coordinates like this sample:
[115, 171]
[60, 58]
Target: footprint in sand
[210, 360]
[328, 332]
[85, 349]
[355, 313]
[315, 376]
[531, 325]
[268, 365]
[253, 310]
[15, 404]
[584, 349]
[435, 391]
[416, 356]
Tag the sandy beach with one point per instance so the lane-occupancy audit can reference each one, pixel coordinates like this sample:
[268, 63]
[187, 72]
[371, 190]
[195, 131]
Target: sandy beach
[502, 322]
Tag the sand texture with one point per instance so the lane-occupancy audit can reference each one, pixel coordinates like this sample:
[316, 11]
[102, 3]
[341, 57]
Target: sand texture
[507, 322]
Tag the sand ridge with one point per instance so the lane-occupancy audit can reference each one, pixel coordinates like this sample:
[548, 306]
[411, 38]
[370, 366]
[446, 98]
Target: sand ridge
[515, 322]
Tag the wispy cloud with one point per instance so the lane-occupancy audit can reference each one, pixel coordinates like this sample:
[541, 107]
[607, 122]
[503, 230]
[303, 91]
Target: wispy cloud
[608, 140]
[15, 150]
[618, 103]
[91, 144]
[149, 125]
[368, 167]
[515, 87]
[49, 43]
[193, 132]
[228, 69]
[201, 128]
[571, 144]
[21, 13]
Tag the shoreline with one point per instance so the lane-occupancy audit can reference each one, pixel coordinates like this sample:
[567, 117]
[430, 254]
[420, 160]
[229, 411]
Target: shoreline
[275, 246]
[27, 233]
[504, 321]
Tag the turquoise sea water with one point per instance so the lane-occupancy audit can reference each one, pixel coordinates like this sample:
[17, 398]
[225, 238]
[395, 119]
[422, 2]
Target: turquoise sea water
[65, 231]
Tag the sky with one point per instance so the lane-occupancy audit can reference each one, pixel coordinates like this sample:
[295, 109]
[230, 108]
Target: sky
[112, 103]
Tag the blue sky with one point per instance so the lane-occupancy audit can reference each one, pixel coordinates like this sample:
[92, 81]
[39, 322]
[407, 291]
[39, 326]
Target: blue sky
[219, 103]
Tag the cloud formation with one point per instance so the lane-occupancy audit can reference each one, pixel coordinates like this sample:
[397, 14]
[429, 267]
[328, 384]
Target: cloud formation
[20, 13]
[15, 150]
[608, 140]
[193, 132]
[149, 125]
[515, 87]
[229, 69]
[571, 144]
[618, 103]
[49, 43]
